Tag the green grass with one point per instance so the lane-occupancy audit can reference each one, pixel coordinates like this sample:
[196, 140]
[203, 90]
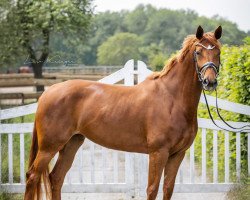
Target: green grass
[8, 196]
[241, 191]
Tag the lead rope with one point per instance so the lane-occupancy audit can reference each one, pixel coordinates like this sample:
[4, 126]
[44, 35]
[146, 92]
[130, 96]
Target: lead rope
[241, 129]
[218, 112]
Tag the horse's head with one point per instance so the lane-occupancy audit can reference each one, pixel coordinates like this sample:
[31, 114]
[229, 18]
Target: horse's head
[207, 57]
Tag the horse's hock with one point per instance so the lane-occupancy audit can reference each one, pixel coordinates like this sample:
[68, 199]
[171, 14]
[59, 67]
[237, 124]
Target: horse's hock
[99, 170]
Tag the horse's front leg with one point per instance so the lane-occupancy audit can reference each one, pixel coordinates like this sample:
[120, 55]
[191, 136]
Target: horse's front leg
[157, 162]
[170, 173]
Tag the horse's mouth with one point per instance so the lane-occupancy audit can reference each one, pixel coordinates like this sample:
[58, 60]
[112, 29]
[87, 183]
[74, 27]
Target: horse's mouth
[209, 87]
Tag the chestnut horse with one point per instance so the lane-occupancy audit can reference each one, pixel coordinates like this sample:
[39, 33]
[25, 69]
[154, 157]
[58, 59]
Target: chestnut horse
[156, 117]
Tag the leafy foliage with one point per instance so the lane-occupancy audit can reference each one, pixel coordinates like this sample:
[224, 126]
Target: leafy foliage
[157, 27]
[119, 48]
[68, 22]
[27, 27]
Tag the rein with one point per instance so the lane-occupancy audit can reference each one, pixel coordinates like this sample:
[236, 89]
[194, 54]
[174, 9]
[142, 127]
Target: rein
[200, 73]
[237, 129]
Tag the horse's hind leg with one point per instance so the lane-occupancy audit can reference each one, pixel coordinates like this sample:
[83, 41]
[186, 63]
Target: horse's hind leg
[63, 164]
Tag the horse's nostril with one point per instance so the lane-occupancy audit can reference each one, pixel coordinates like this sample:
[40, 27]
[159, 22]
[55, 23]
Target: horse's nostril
[205, 82]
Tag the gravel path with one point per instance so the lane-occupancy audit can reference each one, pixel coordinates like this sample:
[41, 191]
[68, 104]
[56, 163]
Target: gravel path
[176, 196]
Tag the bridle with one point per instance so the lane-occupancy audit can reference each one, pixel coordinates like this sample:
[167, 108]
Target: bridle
[201, 71]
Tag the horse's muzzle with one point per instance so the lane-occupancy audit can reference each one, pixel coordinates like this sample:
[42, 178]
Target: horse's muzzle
[209, 85]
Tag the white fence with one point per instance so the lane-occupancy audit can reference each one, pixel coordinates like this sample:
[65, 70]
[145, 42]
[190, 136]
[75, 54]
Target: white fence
[97, 169]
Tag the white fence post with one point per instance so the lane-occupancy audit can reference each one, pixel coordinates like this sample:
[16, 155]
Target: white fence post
[238, 156]
[0, 157]
[10, 157]
[129, 73]
[92, 162]
[204, 156]
[129, 174]
[22, 159]
[143, 71]
[142, 174]
[192, 168]
[0, 149]
[115, 166]
[248, 153]
[227, 155]
[215, 156]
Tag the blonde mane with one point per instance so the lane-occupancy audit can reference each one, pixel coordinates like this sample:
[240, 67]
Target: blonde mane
[187, 46]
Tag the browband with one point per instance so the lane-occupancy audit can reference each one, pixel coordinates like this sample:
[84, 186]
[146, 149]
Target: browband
[209, 47]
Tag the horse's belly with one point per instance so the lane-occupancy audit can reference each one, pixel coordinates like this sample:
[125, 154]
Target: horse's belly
[119, 140]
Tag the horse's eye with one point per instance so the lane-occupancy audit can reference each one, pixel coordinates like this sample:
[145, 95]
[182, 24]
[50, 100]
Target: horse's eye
[198, 52]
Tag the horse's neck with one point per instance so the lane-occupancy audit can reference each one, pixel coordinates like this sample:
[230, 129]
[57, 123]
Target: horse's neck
[182, 82]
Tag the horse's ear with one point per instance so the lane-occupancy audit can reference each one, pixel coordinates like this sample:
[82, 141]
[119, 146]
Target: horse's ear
[218, 32]
[199, 32]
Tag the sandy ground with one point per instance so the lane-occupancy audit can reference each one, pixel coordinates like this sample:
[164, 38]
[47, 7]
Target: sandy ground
[74, 176]
[176, 196]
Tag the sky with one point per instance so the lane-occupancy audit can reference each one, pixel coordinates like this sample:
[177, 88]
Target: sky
[237, 11]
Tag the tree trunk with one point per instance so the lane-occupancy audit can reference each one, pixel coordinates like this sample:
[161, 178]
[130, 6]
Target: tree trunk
[38, 73]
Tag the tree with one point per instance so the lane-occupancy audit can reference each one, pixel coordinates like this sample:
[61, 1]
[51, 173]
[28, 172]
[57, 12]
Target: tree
[154, 55]
[137, 20]
[231, 34]
[119, 48]
[104, 26]
[162, 26]
[169, 27]
[27, 26]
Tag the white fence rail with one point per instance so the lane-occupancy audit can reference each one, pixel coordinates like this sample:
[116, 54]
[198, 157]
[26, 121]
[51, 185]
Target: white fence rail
[92, 70]
[97, 169]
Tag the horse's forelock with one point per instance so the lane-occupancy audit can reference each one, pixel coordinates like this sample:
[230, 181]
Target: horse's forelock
[211, 39]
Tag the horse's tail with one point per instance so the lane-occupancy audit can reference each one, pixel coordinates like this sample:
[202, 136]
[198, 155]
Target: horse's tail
[45, 174]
